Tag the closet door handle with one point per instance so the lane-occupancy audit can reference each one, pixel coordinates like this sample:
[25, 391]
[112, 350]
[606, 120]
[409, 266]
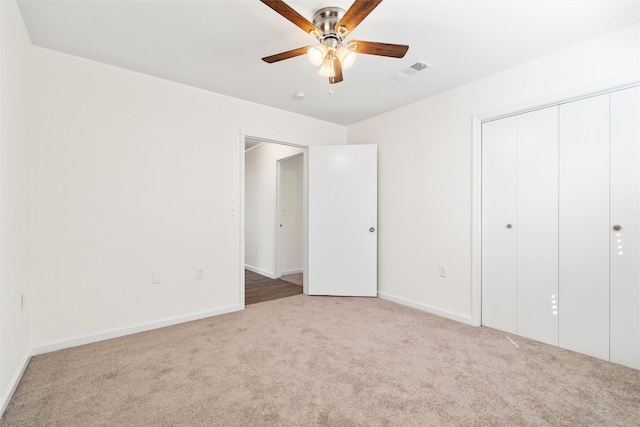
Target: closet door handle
[509, 226]
[617, 227]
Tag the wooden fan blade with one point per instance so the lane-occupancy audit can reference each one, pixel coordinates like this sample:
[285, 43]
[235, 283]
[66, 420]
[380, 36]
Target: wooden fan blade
[380, 49]
[354, 16]
[337, 72]
[286, 55]
[287, 11]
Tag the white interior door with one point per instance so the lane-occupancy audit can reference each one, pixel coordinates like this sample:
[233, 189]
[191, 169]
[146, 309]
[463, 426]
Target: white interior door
[584, 226]
[625, 212]
[343, 199]
[499, 178]
[289, 215]
[520, 224]
[537, 229]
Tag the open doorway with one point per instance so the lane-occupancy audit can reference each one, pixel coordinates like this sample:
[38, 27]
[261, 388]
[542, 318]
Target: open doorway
[273, 218]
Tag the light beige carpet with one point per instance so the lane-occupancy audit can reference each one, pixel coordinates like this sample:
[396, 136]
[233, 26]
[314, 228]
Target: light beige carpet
[323, 361]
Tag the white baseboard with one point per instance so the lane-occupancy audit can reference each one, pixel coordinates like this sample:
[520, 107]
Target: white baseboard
[260, 271]
[438, 312]
[115, 333]
[285, 272]
[13, 384]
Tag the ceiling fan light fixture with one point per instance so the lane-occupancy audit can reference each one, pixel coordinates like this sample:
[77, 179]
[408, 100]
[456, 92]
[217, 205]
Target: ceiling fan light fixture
[327, 68]
[346, 56]
[317, 54]
[330, 26]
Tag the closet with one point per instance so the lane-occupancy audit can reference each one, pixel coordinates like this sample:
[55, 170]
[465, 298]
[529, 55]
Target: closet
[561, 225]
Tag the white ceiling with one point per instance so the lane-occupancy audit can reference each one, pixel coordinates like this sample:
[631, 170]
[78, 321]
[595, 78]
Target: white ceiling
[217, 45]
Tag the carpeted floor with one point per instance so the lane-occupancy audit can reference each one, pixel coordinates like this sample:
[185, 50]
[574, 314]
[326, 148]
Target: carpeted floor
[327, 361]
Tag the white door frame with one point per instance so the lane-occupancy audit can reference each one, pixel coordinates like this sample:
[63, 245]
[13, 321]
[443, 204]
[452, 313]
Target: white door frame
[278, 254]
[305, 201]
[608, 85]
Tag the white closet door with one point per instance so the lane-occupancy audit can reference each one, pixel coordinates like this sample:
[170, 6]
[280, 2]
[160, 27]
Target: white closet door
[499, 209]
[584, 226]
[625, 211]
[537, 228]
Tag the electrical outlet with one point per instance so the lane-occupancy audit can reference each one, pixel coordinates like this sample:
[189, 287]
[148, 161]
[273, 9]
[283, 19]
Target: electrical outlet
[442, 271]
[23, 301]
[199, 273]
[155, 278]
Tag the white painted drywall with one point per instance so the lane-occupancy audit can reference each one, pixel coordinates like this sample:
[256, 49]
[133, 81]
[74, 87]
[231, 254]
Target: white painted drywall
[133, 174]
[291, 199]
[15, 73]
[425, 167]
[260, 210]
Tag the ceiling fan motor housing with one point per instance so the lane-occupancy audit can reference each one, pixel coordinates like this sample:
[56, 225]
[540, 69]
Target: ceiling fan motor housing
[326, 20]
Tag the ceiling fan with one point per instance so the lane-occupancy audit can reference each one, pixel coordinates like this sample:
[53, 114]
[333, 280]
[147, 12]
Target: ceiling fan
[330, 27]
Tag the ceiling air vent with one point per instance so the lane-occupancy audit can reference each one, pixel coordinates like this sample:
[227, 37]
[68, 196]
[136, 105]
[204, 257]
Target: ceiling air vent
[410, 71]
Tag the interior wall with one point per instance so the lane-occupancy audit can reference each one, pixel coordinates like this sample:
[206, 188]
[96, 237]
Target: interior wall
[291, 200]
[15, 83]
[425, 168]
[131, 175]
[260, 209]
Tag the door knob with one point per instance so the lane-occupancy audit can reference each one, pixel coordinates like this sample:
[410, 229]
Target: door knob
[372, 229]
[509, 226]
[617, 227]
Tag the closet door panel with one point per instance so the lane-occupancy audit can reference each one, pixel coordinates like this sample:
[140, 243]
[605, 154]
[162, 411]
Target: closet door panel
[537, 229]
[584, 226]
[625, 211]
[498, 210]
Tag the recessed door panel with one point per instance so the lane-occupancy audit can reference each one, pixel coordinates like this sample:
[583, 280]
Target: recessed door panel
[584, 226]
[537, 228]
[625, 212]
[499, 224]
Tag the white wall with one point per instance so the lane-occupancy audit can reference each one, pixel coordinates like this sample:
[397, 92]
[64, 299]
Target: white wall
[260, 196]
[425, 168]
[15, 76]
[134, 174]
